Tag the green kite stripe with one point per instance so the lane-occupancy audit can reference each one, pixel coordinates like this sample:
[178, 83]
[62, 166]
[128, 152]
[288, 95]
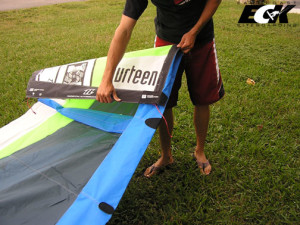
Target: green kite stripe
[99, 70]
[79, 103]
[50, 126]
[54, 123]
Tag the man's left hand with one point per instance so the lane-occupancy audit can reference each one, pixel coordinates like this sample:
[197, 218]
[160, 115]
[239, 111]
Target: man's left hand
[187, 42]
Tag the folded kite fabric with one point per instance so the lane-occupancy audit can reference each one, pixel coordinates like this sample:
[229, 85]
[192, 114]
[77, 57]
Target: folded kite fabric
[69, 161]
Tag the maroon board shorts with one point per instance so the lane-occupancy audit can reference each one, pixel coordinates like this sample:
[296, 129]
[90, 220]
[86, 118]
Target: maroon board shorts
[202, 72]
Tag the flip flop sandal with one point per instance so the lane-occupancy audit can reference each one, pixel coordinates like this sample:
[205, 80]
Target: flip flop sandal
[201, 165]
[152, 170]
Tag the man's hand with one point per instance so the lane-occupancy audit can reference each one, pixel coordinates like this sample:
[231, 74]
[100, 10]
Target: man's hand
[106, 93]
[187, 42]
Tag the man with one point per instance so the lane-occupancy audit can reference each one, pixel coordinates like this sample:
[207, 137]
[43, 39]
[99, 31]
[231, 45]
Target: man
[187, 23]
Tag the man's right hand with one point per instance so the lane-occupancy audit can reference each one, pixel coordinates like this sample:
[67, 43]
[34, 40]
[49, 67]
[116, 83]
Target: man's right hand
[106, 93]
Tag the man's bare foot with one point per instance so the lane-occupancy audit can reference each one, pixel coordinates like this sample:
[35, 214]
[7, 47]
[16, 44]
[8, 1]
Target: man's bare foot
[202, 162]
[160, 164]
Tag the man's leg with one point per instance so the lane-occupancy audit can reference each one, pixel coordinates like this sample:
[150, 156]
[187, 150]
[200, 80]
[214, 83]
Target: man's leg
[201, 121]
[165, 144]
[165, 139]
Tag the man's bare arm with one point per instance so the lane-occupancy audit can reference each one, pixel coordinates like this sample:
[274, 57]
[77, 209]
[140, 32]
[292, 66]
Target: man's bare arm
[116, 51]
[188, 40]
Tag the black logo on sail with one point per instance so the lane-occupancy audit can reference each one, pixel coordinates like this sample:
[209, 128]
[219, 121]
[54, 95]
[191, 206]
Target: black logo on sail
[135, 76]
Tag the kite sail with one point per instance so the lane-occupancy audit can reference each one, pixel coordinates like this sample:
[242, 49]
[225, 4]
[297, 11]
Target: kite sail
[137, 79]
[69, 159]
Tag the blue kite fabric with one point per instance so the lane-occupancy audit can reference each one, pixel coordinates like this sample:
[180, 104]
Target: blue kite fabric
[73, 161]
[109, 122]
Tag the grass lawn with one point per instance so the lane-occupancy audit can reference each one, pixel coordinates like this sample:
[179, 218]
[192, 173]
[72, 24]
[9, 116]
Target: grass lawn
[253, 140]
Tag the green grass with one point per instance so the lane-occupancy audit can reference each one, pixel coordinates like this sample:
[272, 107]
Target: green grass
[255, 177]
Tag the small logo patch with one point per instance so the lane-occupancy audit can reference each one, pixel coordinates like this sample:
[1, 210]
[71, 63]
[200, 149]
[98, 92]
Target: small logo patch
[181, 2]
[88, 92]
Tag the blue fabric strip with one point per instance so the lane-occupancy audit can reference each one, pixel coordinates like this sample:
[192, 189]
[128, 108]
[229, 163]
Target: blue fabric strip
[109, 122]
